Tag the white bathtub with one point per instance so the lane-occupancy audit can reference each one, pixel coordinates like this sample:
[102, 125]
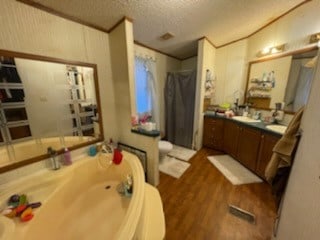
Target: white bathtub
[77, 205]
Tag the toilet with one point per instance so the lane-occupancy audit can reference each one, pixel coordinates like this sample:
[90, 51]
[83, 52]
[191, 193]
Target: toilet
[164, 148]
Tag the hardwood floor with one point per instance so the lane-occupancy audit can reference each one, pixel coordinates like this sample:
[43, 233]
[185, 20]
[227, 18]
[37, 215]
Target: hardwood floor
[196, 204]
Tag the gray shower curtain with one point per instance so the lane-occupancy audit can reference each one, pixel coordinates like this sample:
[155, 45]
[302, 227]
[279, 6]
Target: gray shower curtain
[179, 96]
[303, 87]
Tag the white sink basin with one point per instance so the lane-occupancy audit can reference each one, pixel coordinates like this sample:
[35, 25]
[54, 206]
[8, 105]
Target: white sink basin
[245, 119]
[277, 128]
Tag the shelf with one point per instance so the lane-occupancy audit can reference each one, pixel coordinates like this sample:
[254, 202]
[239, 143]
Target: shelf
[260, 81]
[267, 97]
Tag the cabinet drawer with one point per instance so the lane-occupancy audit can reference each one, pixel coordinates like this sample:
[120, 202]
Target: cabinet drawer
[213, 133]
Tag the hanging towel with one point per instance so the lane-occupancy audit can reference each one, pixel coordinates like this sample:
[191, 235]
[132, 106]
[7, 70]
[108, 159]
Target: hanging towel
[283, 151]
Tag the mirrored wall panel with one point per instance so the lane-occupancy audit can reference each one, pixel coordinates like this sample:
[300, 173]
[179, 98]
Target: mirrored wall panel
[286, 79]
[45, 103]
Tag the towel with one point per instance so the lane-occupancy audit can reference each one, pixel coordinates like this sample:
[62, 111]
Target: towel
[284, 149]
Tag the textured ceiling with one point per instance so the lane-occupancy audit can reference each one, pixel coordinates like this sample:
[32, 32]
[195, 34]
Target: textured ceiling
[221, 21]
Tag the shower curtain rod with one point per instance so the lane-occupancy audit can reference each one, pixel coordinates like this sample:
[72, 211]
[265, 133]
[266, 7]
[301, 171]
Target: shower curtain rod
[182, 71]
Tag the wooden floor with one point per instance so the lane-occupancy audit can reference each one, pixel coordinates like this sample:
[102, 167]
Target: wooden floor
[196, 204]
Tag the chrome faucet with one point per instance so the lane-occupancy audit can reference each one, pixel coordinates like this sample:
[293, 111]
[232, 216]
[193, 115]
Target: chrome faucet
[55, 164]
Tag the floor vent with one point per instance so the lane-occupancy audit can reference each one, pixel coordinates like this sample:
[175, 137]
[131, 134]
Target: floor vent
[242, 214]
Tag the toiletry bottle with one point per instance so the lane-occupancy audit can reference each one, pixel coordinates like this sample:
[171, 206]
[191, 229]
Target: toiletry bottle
[67, 157]
[55, 163]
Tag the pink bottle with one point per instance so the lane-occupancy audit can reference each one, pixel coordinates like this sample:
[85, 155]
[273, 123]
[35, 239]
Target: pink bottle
[67, 157]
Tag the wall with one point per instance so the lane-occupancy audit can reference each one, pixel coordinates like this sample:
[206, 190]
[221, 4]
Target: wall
[189, 63]
[232, 60]
[29, 30]
[164, 64]
[294, 29]
[231, 65]
[122, 62]
[301, 212]
[206, 60]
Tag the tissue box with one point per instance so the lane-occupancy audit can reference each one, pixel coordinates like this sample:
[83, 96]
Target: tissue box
[148, 126]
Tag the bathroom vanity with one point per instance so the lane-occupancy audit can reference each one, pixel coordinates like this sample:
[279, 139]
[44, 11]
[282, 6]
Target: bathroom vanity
[249, 143]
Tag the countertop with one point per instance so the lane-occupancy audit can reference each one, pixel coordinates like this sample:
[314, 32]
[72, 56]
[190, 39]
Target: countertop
[153, 133]
[257, 125]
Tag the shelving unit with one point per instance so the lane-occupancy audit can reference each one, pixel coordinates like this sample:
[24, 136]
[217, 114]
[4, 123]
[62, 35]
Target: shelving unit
[81, 109]
[259, 93]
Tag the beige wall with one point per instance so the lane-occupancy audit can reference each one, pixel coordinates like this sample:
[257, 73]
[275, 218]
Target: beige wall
[206, 60]
[231, 60]
[294, 29]
[301, 211]
[164, 64]
[122, 61]
[189, 63]
[29, 30]
[231, 65]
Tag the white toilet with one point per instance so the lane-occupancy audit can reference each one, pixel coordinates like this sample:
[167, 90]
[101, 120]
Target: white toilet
[164, 148]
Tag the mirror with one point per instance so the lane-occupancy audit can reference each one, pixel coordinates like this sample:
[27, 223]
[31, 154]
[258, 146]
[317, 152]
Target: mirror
[45, 102]
[285, 78]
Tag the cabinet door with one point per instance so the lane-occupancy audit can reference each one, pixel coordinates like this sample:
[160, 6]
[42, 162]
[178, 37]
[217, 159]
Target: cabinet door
[206, 141]
[248, 147]
[230, 138]
[267, 143]
[213, 133]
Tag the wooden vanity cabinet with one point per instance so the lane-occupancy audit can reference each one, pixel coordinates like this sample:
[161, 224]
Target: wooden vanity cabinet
[251, 147]
[213, 133]
[267, 142]
[248, 147]
[230, 138]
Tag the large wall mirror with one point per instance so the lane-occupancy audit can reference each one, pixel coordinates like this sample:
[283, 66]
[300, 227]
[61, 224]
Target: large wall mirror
[45, 102]
[286, 78]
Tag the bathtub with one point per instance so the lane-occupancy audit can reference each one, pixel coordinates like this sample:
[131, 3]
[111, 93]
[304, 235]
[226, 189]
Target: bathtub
[81, 202]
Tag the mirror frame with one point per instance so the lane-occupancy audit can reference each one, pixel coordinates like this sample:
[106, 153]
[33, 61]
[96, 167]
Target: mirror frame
[272, 57]
[28, 161]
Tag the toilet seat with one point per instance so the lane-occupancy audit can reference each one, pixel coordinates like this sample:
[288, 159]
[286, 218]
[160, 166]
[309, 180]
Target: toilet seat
[165, 146]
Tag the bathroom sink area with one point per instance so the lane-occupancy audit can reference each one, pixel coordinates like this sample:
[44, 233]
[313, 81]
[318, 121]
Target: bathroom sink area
[277, 128]
[245, 119]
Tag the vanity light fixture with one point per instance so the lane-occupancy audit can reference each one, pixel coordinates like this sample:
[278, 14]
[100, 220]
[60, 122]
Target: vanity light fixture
[271, 50]
[314, 38]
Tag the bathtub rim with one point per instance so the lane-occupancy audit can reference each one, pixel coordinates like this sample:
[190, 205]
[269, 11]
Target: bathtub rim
[127, 228]
[129, 225]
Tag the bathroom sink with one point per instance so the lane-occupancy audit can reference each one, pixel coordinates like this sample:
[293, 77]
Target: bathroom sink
[245, 119]
[277, 128]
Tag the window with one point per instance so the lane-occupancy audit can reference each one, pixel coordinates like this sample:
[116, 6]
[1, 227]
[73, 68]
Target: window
[146, 90]
[143, 95]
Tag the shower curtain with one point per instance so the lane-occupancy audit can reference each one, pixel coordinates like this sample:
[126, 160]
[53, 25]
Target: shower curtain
[303, 87]
[299, 84]
[179, 96]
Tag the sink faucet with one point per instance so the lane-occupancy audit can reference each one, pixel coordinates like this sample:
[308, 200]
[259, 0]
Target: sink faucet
[55, 164]
[125, 188]
[236, 106]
